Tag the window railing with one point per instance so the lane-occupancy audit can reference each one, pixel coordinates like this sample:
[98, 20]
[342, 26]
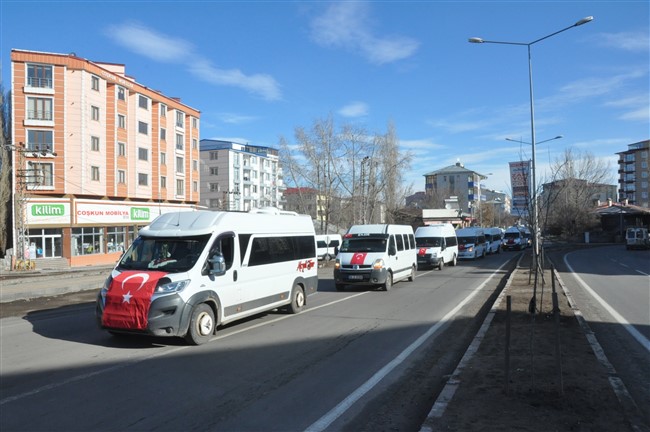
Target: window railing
[39, 82]
[39, 115]
[39, 147]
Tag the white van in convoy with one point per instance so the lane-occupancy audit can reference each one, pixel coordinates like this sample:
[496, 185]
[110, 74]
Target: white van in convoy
[493, 239]
[513, 239]
[189, 272]
[437, 245]
[327, 246]
[471, 243]
[377, 254]
[637, 238]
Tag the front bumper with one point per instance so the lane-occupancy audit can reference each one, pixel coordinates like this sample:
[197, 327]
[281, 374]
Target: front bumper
[369, 277]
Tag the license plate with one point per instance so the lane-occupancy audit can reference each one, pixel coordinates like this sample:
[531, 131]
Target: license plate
[355, 277]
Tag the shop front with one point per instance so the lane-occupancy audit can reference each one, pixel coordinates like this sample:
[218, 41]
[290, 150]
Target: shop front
[85, 232]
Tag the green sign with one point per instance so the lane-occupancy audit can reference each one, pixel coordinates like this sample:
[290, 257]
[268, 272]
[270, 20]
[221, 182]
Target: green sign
[139, 213]
[48, 210]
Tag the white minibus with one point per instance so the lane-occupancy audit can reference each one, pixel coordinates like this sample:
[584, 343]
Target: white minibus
[437, 245]
[376, 254]
[471, 243]
[189, 272]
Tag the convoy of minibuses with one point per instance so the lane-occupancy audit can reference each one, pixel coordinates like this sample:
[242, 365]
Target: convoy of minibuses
[188, 273]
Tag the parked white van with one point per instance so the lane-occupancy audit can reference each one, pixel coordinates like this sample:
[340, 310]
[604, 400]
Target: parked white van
[493, 239]
[513, 239]
[327, 246]
[637, 238]
[437, 245]
[471, 243]
[376, 254]
[189, 272]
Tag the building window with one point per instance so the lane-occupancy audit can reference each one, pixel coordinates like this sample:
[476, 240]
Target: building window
[121, 93]
[121, 121]
[163, 110]
[39, 174]
[143, 128]
[195, 123]
[214, 171]
[180, 119]
[163, 134]
[40, 140]
[195, 143]
[116, 237]
[94, 83]
[195, 165]
[163, 158]
[214, 155]
[143, 154]
[214, 203]
[143, 102]
[94, 112]
[179, 142]
[39, 76]
[87, 240]
[180, 187]
[121, 176]
[195, 186]
[94, 143]
[214, 187]
[143, 179]
[39, 108]
[94, 173]
[180, 165]
[163, 182]
[121, 149]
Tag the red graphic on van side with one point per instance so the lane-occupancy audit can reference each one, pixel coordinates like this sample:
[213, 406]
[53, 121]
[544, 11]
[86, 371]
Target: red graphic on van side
[305, 265]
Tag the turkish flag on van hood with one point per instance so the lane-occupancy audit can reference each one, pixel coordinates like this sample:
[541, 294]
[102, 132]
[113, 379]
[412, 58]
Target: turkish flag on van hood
[358, 258]
[128, 299]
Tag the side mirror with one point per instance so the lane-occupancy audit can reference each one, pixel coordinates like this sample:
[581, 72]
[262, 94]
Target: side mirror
[217, 265]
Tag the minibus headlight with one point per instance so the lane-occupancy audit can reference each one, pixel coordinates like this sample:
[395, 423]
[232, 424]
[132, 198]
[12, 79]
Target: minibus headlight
[470, 248]
[378, 264]
[171, 287]
[337, 264]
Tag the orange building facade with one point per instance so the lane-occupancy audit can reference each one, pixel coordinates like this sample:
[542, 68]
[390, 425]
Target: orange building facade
[96, 156]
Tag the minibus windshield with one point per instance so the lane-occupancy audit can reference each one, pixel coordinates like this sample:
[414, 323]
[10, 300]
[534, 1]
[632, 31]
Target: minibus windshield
[364, 244]
[428, 241]
[173, 255]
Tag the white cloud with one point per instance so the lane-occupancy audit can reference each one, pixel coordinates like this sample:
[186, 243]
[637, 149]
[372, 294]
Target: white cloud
[159, 47]
[345, 25]
[628, 41]
[354, 109]
[231, 118]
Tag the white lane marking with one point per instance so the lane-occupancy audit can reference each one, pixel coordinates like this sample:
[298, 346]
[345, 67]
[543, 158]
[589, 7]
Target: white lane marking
[336, 412]
[618, 317]
[160, 354]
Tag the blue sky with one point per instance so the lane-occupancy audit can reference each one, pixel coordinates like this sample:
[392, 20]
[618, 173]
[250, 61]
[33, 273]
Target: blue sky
[258, 69]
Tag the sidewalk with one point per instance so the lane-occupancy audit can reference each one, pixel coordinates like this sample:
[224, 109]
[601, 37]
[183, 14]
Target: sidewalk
[550, 375]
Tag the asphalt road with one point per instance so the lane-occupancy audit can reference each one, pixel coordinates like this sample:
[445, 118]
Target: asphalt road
[353, 360]
[611, 285]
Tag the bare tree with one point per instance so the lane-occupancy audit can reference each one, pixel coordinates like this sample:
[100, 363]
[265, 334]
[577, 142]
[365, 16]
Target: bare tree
[5, 170]
[567, 200]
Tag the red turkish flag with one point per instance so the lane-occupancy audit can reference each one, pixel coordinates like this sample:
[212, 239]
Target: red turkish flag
[358, 258]
[128, 299]
[422, 251]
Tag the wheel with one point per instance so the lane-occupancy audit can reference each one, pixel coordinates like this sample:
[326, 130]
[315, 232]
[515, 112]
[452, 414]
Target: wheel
[298, 300]
[202, 325]
[389, 282]
[454, 261]
[412, 275]
[339, 287]
[441, 264]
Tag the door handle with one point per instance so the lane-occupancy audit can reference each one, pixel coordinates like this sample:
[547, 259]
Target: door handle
[234, 276]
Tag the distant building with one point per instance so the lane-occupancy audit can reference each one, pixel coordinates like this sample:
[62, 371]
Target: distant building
[633, 174]
[96, 156]
[239, 177]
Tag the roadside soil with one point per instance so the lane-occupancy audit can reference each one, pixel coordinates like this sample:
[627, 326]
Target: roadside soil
[554, 381]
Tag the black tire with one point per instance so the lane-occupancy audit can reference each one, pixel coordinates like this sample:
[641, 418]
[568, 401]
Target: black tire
[412, 275]
[298, 300]
[339, 287]
[454, 261]
[202, 325]
[386, 286]
[441, 264]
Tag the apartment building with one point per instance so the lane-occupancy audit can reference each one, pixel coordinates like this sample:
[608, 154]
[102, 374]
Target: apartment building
[96, 156]
[633, 174]
[239, 177]
[455, 180]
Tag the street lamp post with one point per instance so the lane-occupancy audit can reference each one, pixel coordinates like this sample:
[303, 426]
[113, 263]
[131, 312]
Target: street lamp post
[532, 115]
